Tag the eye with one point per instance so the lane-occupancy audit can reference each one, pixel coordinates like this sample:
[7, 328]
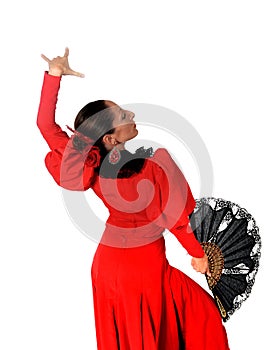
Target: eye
[124, 116]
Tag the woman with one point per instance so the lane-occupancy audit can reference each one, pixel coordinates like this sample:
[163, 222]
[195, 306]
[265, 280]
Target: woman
[140, 301]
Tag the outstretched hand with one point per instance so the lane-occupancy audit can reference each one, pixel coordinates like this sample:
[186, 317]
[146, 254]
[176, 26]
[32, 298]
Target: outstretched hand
[59, 66]
[201, 265]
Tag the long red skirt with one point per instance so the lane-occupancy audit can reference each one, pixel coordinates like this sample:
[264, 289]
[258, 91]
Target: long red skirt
[143, 303]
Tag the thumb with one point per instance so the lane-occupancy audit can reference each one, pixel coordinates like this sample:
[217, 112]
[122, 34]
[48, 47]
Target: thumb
[77, 74]
[208, 273]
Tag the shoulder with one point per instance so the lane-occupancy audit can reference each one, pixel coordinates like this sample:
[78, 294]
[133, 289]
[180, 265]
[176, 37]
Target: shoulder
[163, 158]
[163, 164]
[160, 162]
[161, 152]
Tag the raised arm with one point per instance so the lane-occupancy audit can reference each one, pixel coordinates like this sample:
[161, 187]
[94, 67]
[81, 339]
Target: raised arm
[69, 167]
[46, 123]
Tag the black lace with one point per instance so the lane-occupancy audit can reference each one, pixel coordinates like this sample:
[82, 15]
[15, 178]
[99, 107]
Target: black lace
[235, 232]
[129, 164]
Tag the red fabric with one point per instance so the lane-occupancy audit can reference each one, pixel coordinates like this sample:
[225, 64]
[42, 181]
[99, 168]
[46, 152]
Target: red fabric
[143, 303]
[140, 301]
[69, 167]
[142, 206]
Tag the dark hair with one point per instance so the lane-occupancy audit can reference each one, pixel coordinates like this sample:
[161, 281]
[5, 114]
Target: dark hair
[94, 120]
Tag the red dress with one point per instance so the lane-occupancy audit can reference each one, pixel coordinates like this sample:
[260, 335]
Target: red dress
[141, 302]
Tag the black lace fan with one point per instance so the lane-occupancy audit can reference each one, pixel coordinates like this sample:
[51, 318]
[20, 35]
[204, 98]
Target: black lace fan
[231, 240]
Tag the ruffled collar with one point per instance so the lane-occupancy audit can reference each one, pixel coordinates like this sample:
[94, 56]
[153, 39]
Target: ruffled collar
[129, 164]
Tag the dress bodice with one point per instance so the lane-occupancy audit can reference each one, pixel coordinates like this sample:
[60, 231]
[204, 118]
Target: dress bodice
[141, 205]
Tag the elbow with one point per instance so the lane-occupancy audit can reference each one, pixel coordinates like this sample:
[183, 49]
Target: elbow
[39, 124]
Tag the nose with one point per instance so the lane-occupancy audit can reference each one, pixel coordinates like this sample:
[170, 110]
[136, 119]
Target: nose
[132, 115]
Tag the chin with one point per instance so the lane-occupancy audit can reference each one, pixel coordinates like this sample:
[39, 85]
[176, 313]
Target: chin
[135, 134]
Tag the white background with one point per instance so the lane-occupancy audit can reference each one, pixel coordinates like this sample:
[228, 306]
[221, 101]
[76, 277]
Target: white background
[211, 61]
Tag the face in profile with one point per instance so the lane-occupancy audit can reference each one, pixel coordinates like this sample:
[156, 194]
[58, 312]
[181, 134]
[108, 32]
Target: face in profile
[125, 127]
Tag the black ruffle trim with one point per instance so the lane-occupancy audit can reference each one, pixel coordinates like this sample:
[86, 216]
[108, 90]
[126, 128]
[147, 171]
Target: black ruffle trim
[129, 164]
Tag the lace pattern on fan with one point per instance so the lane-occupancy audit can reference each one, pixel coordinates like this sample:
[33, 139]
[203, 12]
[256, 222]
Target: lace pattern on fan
[245, 271]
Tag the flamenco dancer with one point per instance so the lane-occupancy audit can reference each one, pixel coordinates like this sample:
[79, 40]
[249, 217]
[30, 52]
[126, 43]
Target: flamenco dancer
[140, 301]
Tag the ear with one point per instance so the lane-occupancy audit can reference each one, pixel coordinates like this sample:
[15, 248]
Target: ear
[109, 140]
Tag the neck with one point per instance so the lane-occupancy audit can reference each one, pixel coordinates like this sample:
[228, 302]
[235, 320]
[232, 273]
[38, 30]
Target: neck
[120, 146]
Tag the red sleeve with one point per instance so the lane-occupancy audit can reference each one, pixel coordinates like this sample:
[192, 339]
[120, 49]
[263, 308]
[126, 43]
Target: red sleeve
[176, 201]
[67, 165]
[49, 129]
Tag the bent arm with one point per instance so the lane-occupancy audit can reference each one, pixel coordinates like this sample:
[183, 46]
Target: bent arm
[177, 202]
[186, 237]
[67, 165]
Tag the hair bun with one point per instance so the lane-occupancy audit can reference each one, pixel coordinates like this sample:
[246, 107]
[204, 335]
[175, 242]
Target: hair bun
[79, 140]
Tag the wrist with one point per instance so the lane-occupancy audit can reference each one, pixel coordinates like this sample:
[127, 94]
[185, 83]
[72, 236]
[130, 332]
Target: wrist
[55, 72]
[202, 256]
